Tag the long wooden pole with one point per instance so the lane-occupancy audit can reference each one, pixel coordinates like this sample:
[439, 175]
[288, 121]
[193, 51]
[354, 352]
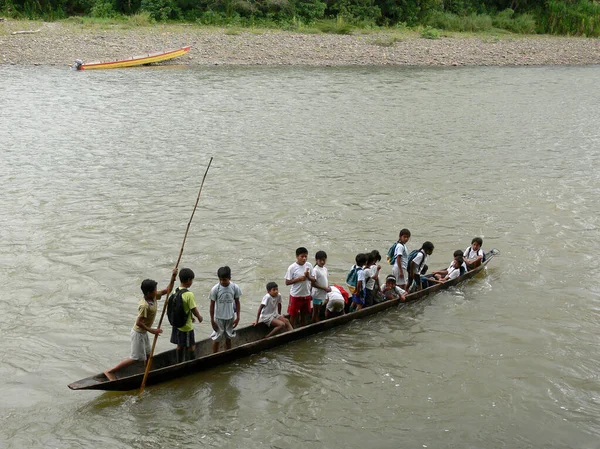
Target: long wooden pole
[172, 282]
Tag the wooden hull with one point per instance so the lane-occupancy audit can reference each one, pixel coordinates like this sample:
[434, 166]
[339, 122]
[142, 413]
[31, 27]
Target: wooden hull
[136, 60]
[249, 341]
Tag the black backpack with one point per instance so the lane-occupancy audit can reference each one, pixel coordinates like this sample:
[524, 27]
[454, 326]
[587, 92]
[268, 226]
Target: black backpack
[176, 310]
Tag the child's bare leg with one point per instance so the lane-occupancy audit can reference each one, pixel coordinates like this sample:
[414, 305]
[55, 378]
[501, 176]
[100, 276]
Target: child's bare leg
[215, 346]
[293, 320]
[288, 325]
[109, 373]
[315, 313]
[228, 343]
[278, 326]
[191, 352]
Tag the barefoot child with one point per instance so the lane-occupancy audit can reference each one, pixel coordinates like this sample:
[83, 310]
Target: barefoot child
[184, 336]
[269, 311]
[299, 275]
[222, 298]
[320, 287]
[140, 343]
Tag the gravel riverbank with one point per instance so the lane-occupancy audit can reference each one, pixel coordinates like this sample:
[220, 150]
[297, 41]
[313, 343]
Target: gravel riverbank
[60, 43]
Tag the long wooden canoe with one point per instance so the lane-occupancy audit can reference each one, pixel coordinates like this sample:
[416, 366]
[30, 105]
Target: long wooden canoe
[249, 341]
[149, 58]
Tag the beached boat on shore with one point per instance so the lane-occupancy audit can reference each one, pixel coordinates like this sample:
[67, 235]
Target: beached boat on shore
[249, 340]
[133, 61]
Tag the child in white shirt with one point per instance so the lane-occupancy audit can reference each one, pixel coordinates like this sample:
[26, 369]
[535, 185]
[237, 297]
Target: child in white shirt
[269, 311]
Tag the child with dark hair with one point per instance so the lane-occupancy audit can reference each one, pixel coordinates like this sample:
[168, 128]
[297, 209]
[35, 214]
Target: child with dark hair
[184, 336]
[458, 254]
[400, 269]
[320, 286]
[140, 343]
[223, 317]
[417, 265]
[372, 277]
[474, 254]
[300, 275]
[358, 295]
[269, 311]
[391, 291]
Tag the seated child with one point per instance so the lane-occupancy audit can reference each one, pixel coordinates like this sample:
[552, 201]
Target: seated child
[457, 254]
[391, 291]
[335, 302]
[269, 311]
[474, 254]
[453, 271]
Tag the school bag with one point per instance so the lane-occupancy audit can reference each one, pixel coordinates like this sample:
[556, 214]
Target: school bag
[352, 278]
[176, 310]
[390, 254]
[411, 257]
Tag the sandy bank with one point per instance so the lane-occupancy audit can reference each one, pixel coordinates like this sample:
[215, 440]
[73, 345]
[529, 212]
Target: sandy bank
[62, 43]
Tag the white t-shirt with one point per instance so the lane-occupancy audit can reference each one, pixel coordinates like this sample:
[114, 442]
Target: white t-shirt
[270, 305]
[453, 273]
[401, 251]
[471, 254]
[360, 276]
[224, 298]
[321, 276]
[335, 295]
[420, 259]
[451, 266]
[295, 271]
[369, 273]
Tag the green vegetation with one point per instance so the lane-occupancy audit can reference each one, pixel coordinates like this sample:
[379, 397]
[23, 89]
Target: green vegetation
[568, 17]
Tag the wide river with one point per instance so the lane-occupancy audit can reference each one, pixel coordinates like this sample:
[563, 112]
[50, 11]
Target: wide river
[99, 173]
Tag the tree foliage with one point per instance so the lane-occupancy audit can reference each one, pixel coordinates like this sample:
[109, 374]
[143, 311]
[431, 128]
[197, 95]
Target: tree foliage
[577, 17]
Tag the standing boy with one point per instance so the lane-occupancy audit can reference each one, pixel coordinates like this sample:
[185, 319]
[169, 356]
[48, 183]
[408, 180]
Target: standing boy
[140, 343]
[320, 287]
[400, 269]
[184, 336]
[299, 275]
[223, 296]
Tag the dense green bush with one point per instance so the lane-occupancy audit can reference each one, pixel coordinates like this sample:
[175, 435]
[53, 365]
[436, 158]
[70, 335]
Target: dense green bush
[161, 9]
[571, 17]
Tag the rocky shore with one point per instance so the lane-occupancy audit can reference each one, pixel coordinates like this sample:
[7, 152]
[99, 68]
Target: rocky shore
[60, 43]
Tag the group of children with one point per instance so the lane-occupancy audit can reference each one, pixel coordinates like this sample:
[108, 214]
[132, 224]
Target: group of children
[311, 295]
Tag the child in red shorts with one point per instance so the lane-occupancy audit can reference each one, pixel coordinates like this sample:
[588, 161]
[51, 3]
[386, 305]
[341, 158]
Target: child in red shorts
[300, 275]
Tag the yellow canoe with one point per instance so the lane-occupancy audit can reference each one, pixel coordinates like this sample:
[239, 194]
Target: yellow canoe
[132, 62]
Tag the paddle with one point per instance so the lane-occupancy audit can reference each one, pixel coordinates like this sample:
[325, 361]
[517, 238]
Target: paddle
[172, 282]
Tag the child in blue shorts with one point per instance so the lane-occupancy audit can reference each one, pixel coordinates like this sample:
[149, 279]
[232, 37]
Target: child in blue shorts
[320, 286]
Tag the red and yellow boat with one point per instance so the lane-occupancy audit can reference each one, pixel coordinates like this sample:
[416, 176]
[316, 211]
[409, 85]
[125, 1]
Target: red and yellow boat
[150, 58]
